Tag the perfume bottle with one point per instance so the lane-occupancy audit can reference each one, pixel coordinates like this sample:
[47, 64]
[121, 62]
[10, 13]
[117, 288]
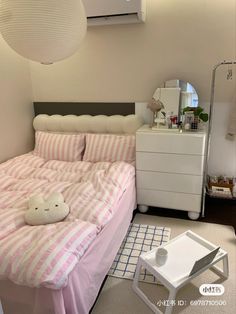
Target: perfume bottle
[169, 114]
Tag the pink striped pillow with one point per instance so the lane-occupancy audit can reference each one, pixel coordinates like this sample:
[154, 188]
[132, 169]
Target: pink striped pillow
[109, 147]
[52, 146]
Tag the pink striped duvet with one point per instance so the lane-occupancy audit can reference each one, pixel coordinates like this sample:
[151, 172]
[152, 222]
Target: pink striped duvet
[45, 255]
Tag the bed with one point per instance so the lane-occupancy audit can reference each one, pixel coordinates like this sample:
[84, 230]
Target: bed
[78, 290]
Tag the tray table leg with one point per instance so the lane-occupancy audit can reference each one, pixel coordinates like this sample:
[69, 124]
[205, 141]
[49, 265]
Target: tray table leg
[225, 271]
[140, 293]
[137, 273]
[226, 266]
[171, 301]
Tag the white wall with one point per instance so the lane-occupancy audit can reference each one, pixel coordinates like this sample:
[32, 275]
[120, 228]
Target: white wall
[16, 110]
[222, 159]
[181, 39]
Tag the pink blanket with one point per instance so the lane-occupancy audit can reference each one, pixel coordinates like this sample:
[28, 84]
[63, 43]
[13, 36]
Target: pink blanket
[86, 278]
[45, 255]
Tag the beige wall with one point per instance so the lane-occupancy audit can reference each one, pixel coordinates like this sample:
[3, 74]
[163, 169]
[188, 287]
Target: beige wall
[16, 108]
[181, 39]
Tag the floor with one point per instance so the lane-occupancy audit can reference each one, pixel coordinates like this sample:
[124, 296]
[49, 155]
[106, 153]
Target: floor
[221, 211]
[117, 296]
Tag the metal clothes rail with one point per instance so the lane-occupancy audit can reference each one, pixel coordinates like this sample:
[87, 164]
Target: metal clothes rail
[225, 62]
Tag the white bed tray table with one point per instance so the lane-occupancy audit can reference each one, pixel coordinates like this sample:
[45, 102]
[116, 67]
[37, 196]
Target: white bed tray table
[183, 252]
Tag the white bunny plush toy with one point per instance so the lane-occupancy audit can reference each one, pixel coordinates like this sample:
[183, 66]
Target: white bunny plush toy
[42, 212]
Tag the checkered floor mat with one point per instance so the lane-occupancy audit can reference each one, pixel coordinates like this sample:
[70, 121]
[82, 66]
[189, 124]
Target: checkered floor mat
[139, 239]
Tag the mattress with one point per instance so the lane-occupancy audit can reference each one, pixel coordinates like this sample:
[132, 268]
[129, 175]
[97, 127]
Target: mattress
[79, 291]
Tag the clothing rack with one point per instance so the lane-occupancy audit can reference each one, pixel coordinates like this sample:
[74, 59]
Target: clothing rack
[213, 79]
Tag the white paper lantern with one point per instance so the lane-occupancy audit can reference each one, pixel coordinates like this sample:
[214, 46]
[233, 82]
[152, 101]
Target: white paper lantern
[43, 30]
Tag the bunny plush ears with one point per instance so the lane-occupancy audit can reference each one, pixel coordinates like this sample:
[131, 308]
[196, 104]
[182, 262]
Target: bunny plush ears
[42, 212]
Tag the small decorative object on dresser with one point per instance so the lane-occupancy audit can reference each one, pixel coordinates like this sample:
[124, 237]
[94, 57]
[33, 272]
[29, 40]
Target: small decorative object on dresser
[193, 117]
[155, 105]
[169, 169]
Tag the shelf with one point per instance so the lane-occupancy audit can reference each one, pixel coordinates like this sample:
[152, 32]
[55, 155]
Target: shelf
[220, 197]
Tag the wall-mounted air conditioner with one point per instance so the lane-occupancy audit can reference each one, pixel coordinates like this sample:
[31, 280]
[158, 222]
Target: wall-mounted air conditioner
[104, 12]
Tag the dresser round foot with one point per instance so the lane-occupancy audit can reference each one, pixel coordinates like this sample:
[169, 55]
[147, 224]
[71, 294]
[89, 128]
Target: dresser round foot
[143, 208]
[193, 215]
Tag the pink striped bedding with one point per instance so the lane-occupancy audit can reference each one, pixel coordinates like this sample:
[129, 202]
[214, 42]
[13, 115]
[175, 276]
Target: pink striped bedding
[44, 255]
[86, 278]
[11, 220]
[38, 256]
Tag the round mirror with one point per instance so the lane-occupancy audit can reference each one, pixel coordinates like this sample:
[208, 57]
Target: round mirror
[175, 95]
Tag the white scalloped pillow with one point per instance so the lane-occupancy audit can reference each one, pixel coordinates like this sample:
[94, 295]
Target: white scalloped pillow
[54, 146]
[109, 147]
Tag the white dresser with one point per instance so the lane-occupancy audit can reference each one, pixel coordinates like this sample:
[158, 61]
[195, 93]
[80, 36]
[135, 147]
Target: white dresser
[169, 169]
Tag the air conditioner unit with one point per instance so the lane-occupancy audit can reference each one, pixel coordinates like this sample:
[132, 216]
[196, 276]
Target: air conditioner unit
[105, 12]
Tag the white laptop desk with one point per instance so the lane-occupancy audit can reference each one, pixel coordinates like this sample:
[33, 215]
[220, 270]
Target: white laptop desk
[183, 252]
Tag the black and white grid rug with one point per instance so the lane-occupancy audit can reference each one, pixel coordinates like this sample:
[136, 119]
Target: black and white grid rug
[139, 239]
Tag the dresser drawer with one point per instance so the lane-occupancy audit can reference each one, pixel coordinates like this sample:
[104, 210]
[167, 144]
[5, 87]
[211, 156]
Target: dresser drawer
[181, 201]
[169, 182]
[180, 143]
[172, 163]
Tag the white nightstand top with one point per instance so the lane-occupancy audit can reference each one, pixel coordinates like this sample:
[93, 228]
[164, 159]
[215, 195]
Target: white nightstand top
[147, 129]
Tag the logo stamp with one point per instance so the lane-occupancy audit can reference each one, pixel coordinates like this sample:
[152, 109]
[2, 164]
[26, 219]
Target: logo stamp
[212, 289]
